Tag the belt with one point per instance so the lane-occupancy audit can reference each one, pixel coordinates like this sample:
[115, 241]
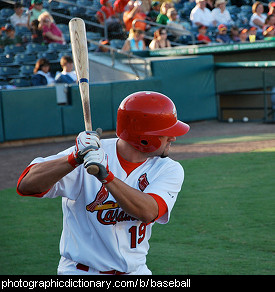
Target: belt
[111, 272]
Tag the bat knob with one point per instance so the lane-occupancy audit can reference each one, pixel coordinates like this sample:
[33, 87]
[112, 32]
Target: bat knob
[93, 169]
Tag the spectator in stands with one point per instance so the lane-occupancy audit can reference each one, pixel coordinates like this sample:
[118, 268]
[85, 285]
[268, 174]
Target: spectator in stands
[162, 17]
[103, 46]
[135, 41]
[119, 6]
[258, 17]
[154, 11]
[35, 11]
[51, 33]
[174, 27]
[235, 34]
[134, 12]
[200, 15]
[160, 40]
[105, 12]
[269, 33]
[270, 20]
[37, 33]
[19, 17]
[244, 35]
[252, 34]
[202, 36]
[210, 4]
[10, 38]
[222, 36]
[271, 7]
[42, 75]
[220, 14]
[68, 74]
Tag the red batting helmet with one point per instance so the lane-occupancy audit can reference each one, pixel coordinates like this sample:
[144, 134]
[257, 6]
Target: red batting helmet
[144, 116]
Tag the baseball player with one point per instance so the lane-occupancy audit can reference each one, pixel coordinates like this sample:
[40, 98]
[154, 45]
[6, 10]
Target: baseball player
[108, 217]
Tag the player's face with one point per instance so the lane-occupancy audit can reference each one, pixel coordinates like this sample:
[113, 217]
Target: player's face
[164, 149]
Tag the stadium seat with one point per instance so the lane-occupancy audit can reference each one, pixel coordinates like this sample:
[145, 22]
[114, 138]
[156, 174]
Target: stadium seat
[24, 58]
[12, 49]
[51, 56]
[53, 47]
[35, 48]
[26, 70]
[6, 60]
[93, 35]
[117, 43]
[63, 27]
[6, 12]
[20, 82]
[8, 72]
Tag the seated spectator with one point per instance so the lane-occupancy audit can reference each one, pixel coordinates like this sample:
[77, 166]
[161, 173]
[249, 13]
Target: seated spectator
[154, 11]
[51, 33]
[135, 41]
[35, 10]
[252, 34]
[160, 40]
[220, 14]
[258, 17]
[42, 75]
[10, 38]
[202, 35]
[134, 11]
[271, 7]
[174, 26]
[200, 15]
[19, 17]
[244, 35]
[162, 17]
[270, 20]
[235, 34]
[68, 75]
[269, 33]
[37, 33]
[119, 6]
[107, 9]
[222, 36]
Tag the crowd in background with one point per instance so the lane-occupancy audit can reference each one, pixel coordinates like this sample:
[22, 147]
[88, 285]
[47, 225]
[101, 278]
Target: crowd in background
[181, 22]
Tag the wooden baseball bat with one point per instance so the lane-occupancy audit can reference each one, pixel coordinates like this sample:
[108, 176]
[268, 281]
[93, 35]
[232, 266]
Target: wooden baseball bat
[81, 62]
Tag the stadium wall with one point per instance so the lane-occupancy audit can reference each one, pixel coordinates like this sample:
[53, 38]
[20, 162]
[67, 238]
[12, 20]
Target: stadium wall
[34, 112]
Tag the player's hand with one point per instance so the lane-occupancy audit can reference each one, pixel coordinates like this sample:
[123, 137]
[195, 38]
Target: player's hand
[84, 142]
[99, 158]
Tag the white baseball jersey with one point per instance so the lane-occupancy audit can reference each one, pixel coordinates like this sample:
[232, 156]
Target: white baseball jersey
[96, 231]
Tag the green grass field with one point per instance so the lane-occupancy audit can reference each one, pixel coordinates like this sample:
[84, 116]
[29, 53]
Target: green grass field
[222, 224]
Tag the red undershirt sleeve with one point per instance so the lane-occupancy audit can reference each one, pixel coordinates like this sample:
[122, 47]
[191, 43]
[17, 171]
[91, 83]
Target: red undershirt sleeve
[161, 204]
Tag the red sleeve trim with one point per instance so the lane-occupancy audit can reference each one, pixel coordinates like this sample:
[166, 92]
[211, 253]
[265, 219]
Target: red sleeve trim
[40, 195]
[161, 204]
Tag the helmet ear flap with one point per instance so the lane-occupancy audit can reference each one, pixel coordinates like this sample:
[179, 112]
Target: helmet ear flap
[149, 143]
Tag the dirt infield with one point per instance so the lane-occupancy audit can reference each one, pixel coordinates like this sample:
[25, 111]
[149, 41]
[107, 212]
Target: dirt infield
[16, 156]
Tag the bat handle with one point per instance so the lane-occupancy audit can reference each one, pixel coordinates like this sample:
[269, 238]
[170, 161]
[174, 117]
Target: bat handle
[93, 169]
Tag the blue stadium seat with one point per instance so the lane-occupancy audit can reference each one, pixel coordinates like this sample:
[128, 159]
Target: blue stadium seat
[35, 48]
[6, 12]
[26, 70]
[51, 56]
[12, 49]
[8, 72]
[25, 58]
[20, 82]
[53, 47]
[117, 43]
[6, 60]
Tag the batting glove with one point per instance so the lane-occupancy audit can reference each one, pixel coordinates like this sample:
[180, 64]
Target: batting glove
[99, 158]
[88, 140]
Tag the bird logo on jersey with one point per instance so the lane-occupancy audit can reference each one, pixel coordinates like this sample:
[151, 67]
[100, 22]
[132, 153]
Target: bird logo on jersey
[101, 196]
[143, 182]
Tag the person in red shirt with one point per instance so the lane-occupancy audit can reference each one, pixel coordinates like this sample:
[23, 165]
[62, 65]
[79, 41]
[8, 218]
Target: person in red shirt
[134, 12]
[107, 10]
[202, 36]
[119, 6]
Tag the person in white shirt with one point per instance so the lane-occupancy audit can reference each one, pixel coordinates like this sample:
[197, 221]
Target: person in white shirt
[19, 18]
[68, 75]
[258, 17]
[221, 14]
[200, 15]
